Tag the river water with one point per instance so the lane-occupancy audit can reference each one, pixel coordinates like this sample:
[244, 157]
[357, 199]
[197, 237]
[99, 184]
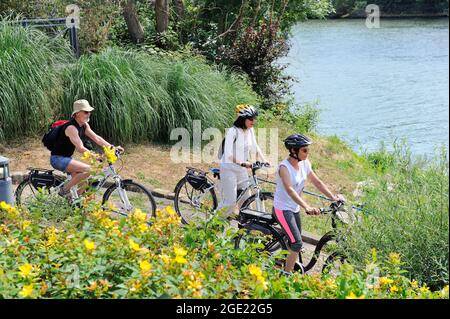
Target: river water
[375, 85]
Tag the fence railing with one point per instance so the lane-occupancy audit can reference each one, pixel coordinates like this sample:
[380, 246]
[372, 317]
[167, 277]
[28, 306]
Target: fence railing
[57, 22]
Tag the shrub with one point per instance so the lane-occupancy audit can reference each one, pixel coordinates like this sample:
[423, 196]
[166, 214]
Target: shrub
[410, 215]
[256, 53]
[30, 83]
[141, 97]
[92, 254]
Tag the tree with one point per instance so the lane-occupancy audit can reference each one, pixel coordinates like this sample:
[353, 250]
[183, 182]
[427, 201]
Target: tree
[162, 15]
[131, 17]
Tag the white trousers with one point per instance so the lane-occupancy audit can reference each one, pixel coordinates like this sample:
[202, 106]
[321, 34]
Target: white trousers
[232, 178]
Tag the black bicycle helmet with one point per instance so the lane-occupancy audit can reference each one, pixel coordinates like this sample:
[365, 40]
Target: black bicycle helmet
[297, 141]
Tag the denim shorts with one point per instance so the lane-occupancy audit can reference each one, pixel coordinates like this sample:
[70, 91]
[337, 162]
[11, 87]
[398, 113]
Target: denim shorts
[60, 162]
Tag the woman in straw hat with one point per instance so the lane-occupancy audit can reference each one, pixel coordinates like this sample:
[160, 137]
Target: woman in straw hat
[69, 140]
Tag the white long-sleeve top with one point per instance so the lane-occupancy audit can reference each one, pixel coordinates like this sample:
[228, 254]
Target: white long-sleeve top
[241, 145]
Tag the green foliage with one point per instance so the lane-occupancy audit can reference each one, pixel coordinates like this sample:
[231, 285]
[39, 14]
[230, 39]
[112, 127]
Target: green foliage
[93, 254]
[409, 214]
[302, 118]
[30, 85]
[140, 97]
[255, 53]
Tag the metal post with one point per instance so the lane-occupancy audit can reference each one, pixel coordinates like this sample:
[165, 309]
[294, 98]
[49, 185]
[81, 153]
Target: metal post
[6, 194]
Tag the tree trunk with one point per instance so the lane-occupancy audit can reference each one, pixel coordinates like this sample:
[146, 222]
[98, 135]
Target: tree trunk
[179, 9]
[162, 15]
[132, 19]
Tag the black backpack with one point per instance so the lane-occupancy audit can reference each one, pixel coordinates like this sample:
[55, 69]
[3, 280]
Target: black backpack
[49, 139]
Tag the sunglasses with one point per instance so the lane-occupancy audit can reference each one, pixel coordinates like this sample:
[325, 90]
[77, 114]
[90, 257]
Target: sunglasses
[251, 119]
[304, 150]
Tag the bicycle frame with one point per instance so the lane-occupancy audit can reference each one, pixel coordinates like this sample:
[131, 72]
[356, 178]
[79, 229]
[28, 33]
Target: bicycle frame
[253, 184]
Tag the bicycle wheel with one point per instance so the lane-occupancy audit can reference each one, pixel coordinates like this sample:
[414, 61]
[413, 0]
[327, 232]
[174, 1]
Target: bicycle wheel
[138, 197]
[259, 237]
[325, 248]
[333, 264]
[26, 191]
[193, 205]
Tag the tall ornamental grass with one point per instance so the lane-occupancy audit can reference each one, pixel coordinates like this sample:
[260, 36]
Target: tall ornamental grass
[409, 208]
[139, 97]
[30, 84]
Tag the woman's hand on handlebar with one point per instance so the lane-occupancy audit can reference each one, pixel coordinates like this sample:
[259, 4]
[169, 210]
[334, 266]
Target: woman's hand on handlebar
[119, 149]
[312, 210]
[339, 198]
[246, 164]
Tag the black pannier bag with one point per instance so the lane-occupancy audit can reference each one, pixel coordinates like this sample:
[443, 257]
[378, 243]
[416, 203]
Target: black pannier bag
[197, 179]
[43, 178]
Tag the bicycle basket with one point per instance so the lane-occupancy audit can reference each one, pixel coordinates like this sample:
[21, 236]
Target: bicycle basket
[40, 179]
[197, 179]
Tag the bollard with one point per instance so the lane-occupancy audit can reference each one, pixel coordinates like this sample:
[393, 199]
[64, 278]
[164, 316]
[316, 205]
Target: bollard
[6, 194]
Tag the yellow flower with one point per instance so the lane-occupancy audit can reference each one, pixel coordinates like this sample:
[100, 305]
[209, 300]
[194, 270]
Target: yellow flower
[179, 251]
[110, 154]
[143, 228]
[89, 245]
[26, 223]
[145, 265]
[27, 291]
[424, 289]
[394, 258]
[353, 296]
[414, 284]
[384, 281]
[146, 268]
[133, 245]
[86, 156]
[255, 270]
[25, 270]
[394, 289]
[180, 259]
[195, 284]
[171, 211]
[5, 206]
[139, 215]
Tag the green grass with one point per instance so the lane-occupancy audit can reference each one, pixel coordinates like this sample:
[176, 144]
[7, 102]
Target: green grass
[146, 179]
[138, 97]
[30, 83]
[409, 215]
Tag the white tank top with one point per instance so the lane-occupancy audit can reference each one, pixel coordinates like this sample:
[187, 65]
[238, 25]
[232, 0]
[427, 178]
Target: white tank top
[282, 199]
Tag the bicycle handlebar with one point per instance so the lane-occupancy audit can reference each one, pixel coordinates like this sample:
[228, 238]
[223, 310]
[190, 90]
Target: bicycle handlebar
[257, 165]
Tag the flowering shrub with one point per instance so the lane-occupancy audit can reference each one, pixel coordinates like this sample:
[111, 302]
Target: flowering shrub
[93, 254]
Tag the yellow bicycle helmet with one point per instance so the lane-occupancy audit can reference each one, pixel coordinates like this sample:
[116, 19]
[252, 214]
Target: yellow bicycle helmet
[246, 110]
